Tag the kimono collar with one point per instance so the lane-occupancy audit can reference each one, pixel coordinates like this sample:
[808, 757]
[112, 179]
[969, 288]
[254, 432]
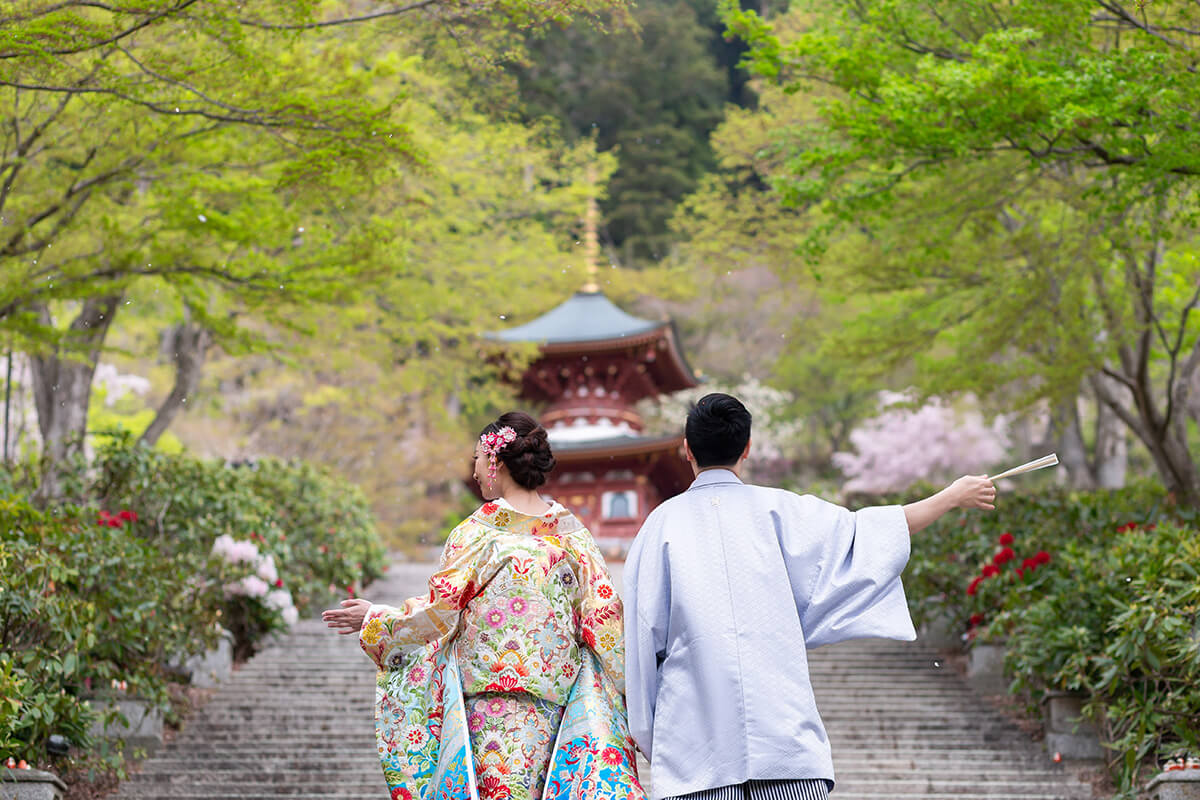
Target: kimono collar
[506, 518]
[713, 477]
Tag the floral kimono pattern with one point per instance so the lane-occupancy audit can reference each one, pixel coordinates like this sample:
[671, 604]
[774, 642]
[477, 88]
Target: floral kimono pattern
[522, 615]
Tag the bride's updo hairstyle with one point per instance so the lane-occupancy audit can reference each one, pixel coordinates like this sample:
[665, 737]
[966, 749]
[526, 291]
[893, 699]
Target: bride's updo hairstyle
[527, 457]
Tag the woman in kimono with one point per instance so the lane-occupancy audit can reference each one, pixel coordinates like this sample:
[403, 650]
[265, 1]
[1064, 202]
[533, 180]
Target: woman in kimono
[506, 681]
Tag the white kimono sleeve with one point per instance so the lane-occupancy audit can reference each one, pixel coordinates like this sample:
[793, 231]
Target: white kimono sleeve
[845, 570]
[647, 605]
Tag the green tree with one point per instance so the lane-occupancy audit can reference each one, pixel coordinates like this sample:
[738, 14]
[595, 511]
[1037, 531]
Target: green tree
[652, 92]
[1013, 189]
[206, 148]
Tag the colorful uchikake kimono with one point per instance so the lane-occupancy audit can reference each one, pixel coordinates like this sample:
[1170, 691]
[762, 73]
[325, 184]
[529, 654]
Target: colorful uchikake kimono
[507, 680]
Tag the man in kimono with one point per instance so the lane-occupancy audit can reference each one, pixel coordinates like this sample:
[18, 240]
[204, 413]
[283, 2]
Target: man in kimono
[726, 587]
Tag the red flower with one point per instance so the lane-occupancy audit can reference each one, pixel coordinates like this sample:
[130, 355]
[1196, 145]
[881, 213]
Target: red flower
[611, 756]
[990, 570]
[1004, 556]
[976, 619]
[113, 522]
[489, 508]
[1128, 526]
[1028, 564]
[279, 583]
[1151, 527]
[974, 586]
[324, 548]
[1021, 574]
[589, 638]
[128, 516]
[604, 591]
[350, 591]
[400, 793]
[491, 787]
[1042, 557]
[1006, 538]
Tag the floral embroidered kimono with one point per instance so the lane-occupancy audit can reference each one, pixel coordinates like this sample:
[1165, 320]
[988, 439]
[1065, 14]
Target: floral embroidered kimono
[506, 682]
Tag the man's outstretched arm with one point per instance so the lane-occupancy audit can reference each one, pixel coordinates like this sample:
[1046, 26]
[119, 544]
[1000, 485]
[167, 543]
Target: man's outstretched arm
[969, 491]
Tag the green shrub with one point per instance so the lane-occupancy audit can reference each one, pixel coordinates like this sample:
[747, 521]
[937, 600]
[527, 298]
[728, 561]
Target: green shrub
[1127, 633]
[1111, 612]
[949, 555]
[316, 530]
[83, 604]
[329, 525]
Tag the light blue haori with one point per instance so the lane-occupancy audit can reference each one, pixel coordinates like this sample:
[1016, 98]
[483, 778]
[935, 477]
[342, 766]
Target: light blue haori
[726, 586]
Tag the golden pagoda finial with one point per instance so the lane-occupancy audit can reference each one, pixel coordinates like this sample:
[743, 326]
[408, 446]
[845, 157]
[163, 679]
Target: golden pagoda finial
[591, 244]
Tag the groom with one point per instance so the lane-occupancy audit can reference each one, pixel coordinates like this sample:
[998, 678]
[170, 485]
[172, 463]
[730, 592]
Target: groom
[726, 587]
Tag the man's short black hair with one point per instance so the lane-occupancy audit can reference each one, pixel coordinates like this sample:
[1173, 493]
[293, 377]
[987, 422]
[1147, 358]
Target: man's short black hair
[718, 428]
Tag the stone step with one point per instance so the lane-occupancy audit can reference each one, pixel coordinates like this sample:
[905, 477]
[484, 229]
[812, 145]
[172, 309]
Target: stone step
[903, 725]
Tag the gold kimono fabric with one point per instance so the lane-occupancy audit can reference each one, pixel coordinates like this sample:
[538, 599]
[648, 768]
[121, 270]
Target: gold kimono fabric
[521, 604]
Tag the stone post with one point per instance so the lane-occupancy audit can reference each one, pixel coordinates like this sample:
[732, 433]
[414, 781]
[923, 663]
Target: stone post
[1067, 732]
[1182, 784]
[30, 784]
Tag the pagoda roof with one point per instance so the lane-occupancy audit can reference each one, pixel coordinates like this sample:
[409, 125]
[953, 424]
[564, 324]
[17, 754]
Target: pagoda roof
[584, 317]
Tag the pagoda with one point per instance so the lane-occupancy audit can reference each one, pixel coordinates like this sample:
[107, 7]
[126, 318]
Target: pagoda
[595, 362]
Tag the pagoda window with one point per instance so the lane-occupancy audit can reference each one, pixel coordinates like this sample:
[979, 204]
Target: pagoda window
[619, 505]
[619, 475]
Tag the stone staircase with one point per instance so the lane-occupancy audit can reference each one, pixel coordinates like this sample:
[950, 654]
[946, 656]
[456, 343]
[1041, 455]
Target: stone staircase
[903, 724]
[296, 721]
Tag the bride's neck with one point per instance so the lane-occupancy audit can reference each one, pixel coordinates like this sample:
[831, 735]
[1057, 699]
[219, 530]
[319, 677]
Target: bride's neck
[527, 501]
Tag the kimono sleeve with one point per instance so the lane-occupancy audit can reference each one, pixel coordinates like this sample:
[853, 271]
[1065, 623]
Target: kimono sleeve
[647, 607]
[845, 568]
[601, 613]
[388, 633]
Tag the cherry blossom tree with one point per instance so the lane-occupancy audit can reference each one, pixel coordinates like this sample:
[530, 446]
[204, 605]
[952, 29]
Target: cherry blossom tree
[937, 441]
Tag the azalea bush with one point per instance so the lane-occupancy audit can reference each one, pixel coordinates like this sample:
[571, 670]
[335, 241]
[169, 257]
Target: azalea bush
[1127, 635]
[946, 572]
[333, 543]
[256, 600]
[100, 597]
[85, 601]
[1095, 592]
[312, 535]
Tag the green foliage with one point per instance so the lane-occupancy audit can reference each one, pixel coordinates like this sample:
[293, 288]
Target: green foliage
[122, 594]
[1112, 613]
[83, 604]
[330, 528]
[954, 551]
[653, 94]
[1125, 630]
[318, 529]
[1011, 212]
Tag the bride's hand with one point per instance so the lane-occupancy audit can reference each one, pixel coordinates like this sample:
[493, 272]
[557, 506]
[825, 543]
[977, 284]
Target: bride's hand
[349, 618]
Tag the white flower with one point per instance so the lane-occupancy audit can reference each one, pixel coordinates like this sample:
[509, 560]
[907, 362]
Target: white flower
[266, 569]
[291, 615]
[249, 586]
[223, 545]
[279, 600]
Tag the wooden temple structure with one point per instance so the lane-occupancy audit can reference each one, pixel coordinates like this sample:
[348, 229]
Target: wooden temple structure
[595, 363]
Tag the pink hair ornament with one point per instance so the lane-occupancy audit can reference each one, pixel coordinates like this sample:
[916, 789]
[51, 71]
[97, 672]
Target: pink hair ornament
[493, 443]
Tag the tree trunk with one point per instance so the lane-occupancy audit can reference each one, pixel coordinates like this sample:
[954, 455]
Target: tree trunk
[1166, 440]
[1072, 452]
[188, 343]
[62, 390]
[1111, 452]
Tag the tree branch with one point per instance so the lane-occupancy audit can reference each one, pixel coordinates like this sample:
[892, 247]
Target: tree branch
[390, 12]
[150, 20]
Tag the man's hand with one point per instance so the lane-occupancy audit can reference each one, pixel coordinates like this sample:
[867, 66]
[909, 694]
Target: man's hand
[349, 618]
[973, 491]
[969, 491]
